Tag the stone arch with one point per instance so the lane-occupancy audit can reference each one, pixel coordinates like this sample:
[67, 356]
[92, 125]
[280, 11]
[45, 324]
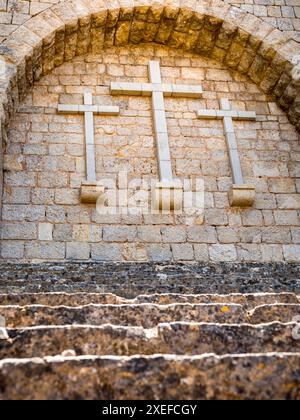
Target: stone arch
[208, 27]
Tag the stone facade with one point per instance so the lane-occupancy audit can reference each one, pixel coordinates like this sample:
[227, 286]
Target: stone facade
[154, 305]
[53, 50]
[45, 165]
[282, 14]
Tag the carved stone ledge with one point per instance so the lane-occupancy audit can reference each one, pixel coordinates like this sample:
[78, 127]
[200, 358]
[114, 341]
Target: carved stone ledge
[167, 196]
[90, 192]
[242, 195]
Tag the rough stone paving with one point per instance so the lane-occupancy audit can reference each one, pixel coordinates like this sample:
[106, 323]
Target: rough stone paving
[150, 331]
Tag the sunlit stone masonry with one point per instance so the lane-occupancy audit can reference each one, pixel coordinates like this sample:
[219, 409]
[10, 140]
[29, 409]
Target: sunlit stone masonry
[52, 151]
[149, 199]
[189, 110]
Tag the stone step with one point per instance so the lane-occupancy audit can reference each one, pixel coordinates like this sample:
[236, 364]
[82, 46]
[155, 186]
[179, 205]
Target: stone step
[256, 376]
[133, 279]
[282, 312]
[249, 300]
[61, 299]
[145, 315]
[80, 299]
[173, 338]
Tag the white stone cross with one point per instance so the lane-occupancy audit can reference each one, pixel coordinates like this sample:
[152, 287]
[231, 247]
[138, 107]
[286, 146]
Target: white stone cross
[227, 115]
[158, 90]
[88, 109]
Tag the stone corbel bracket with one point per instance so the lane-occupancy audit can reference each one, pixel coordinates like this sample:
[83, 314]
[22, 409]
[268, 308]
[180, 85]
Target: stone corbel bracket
[242, 195]
[91, 192]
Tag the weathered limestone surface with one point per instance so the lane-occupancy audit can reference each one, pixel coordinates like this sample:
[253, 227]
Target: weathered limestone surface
[179, 377]
[146, 315]
[283, 15]
[249, 301]
[282, 312]
[174, 338]
[129, 280]
[45, 166]
[34, 46]
[139, 345]
[247, 52]
[132, 279]
[58, 34]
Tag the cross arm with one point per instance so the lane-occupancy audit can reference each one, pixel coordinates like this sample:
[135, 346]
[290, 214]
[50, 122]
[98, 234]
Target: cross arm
[212, 114]
[187, 91]
[108, 110]
[146, 89]
[126, 88]
[208, 114]
[95, 109]
[172, 90]
[68, 109]
[246, 115]
[215, 114]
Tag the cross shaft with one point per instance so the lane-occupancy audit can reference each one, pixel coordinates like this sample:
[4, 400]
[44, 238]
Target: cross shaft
[228, 115]
[88, 109]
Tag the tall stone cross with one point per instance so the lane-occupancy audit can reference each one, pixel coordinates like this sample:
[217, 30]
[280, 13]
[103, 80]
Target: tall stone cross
[241, 194]
[89, 190]
[158, 90]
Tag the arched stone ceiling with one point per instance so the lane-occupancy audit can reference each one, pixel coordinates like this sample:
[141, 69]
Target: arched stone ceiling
[209, 28]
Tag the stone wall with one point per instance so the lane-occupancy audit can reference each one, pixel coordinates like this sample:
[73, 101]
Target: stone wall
[45, 164]
[282, 14]
[14, 13]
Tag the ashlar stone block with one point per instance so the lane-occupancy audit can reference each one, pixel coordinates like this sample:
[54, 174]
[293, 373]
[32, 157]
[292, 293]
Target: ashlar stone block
[183, 252]
[221, 253]
[159, 252]
[106, 252]
[291, 253]
[45, 231]
[78, 251]
[12, 249]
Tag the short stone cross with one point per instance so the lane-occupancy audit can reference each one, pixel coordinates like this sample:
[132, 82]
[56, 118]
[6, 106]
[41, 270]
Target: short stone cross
[158, 90]
[89, 190]
[241, 194]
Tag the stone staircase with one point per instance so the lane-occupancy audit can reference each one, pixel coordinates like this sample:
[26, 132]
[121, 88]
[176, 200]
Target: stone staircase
[118, 331]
